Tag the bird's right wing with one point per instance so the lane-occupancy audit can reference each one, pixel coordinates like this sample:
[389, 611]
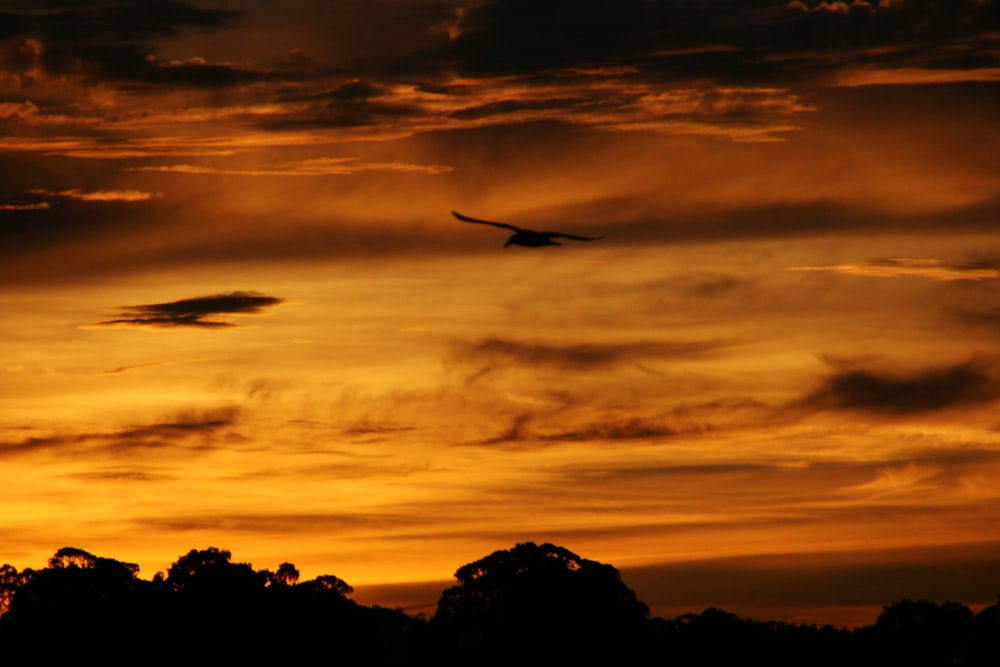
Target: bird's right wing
[465, 218]
[560, 235]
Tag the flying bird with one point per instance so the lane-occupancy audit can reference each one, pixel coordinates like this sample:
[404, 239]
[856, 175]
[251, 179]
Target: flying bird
[527, 237]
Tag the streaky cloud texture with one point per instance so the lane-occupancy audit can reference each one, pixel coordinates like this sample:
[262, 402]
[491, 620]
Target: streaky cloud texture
[918, 267]
[494, 351]
[199, 312]
[966, 384]
[188, 430]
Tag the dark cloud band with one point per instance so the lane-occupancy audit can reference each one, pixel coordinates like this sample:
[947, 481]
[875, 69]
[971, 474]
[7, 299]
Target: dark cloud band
[921, 391]
[205, 312]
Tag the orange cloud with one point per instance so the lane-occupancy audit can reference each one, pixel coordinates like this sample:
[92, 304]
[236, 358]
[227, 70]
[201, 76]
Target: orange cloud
[327, 166]
[39, 206]
[912, 267]
[98, 195]
[910, 76]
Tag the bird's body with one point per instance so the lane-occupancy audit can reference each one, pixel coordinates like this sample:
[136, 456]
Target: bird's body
[526, 237]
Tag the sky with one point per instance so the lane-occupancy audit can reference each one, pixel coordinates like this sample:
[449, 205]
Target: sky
[236, 311]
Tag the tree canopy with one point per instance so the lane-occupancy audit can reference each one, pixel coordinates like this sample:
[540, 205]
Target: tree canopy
[528, 605]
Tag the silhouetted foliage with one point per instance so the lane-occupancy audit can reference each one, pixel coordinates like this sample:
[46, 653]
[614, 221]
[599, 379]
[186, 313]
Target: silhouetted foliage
[206, 609]
[717, 637]
[78, 605]
[10, 581]
[984, 644]
[923, 633]
[529, 605]
[542, 601]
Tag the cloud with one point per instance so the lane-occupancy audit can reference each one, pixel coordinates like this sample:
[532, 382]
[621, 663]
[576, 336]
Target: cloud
[914, 267]
[915, 76]
[494, 352]
[111, 41]
[753, 585]
[291, 523]
[36, 206]
[191, 430]
[98, 195]
[636, 428]
[18, 110]
[114, 475]
[327, 166]
[714, 68]
[989, 318]
[160, 364]
[717, 39]
[209, 312]
[899, 394]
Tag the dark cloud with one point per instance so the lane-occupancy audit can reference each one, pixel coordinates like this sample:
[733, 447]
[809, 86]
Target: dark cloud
[122, 475]
[636, 428]
[920, 391]
[289, 523]
[353, 103]
[988, 318]
[192, 431]
[493, 351]
[199, 312]
[720, 39]
[629, 429]
[112, 40]
[966, 573]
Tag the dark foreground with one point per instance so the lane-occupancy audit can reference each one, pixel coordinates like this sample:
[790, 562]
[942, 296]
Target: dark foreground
[529, 605]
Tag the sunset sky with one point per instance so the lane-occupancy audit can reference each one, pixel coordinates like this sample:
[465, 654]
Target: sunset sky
[237, 311]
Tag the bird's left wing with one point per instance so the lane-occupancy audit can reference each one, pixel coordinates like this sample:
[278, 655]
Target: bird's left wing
[465, 218]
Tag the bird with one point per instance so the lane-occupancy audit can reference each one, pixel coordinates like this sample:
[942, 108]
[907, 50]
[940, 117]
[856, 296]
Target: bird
[527, 237]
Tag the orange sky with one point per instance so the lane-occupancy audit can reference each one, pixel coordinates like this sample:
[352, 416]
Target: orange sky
[237, 311]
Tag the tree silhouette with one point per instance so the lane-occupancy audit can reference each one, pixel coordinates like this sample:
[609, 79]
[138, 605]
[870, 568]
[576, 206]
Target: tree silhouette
[211, 571]
[10, 582]
[984, 645]
[287, 575]
[529, 605]
[78, 605]
[921, 633]
[538, 602]
[718, 637]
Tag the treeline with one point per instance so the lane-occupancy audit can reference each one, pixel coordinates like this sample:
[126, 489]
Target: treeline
[529, 605]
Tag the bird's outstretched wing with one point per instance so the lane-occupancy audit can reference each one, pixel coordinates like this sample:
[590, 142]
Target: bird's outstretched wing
[465, 218]
[559, 235]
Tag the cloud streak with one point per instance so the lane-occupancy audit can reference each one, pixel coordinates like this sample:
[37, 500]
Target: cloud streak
[496, 352]
[98, 195]
[206, 312]
[200, 430]
[914, 267]
[636, 428]
[920, 391]
[327, 166]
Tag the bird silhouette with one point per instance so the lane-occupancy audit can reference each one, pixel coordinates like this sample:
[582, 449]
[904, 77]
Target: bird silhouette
[527, 237]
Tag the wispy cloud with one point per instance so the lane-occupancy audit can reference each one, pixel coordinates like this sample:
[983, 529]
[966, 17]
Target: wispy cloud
[208, 312]
[915, 76]
[919, 391]
[328, 166]
[913, 267]
[159, 364]
[495, 351]
[197, 430]
[989, 318]
[36, 206]
[636, 428]
[98, 195]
